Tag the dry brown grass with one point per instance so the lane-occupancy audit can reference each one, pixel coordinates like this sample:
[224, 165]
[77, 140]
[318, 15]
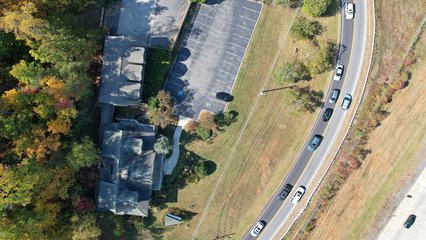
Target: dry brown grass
[362, 205]
[270, 142]
[395, 145]
[396, 23]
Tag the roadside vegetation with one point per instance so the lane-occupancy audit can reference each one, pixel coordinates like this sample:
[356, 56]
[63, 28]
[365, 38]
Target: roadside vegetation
[49, 64]
[271, 140]
[383, 145]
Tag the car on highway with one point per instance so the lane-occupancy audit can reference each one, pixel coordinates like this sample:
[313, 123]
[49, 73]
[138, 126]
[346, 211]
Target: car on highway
[257, 228]
[284, 193]
[349, 10]
[327, 114]
[346, 103]
[410, 221]
[298, 195]
[338, 73]
[334, 96]
[315, 142]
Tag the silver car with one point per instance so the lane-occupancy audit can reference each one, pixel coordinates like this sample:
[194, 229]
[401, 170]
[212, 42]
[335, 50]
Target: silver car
[334, 96]
[339, 73]
[346, 102]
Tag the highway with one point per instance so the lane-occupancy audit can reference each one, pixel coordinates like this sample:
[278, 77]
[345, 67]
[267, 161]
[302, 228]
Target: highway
[351, 54]
[413, 203]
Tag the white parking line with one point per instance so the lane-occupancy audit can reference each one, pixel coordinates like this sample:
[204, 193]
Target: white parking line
[240, 36]
[241, 26]
[231, 63]
[248, 18]
[205, 15]
[191, 49]
[215, 100]
[208, 26]
[226, 73]
[236, 45]
[223, 82]
[251, 10]
[192, 39]
[234, 54]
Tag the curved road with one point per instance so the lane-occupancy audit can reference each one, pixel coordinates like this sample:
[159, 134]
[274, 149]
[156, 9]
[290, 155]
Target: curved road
[305, 168]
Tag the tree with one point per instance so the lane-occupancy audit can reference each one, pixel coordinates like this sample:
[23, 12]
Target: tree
[23, 24]
[316, 8]
[82, 154]
[292, 73]
[161, 146]
[198, 1]
[304, 99]
[223, 119]
[323, 59]
[85, 227]
[201, 169]
[304, 29]
[163, 114]
[28, 73]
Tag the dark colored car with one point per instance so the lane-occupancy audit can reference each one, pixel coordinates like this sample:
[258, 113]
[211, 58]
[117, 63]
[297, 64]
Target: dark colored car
[284, 193]
[315, 142]
[224, 96]
[327, 114]
[410, 221]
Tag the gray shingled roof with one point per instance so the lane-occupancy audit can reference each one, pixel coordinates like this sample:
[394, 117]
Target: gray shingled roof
[122, 72]
[131, 169]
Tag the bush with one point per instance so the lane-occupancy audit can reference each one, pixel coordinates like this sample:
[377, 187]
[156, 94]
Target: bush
[161, 146]
[201, 169]
[224, 119]
[288, 3]
[304, 29]
[202, 132]
[316, 8]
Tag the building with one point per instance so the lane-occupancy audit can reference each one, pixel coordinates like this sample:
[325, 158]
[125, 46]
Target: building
[130, 169]
[122, 72]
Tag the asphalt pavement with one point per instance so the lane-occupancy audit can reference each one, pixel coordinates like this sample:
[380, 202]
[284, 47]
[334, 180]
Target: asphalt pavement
[210, 58]
[307, 164]
[413, 203]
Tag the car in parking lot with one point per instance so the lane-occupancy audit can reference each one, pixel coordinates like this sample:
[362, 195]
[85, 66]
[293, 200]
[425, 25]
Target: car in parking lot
[224, 96]
[315, 142]
[334, 96]
[298, 195]
[349, 10]
[284, 193]
[346, 103]
[257, 228]
[338, 73]
[327, 114]
[410, 221]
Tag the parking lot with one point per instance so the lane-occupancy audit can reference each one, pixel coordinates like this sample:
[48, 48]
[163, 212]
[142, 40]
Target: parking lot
[211, 55]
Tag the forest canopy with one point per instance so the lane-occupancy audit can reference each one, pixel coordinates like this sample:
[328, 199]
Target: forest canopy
[48, 53]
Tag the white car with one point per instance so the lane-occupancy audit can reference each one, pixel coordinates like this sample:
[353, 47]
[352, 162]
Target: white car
[346, 102]
[257, 228]
[298, 195]
[338, 73]
[349, 10]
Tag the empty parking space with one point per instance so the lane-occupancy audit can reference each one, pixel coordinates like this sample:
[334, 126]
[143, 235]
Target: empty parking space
[211, 55]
